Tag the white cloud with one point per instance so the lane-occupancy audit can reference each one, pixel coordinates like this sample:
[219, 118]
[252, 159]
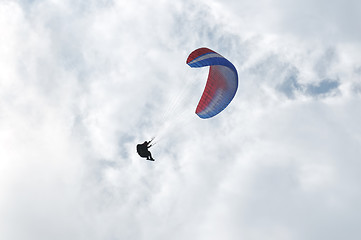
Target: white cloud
[82, 84]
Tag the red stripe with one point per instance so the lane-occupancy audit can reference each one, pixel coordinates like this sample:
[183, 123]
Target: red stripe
[215, 81]
[198, 52]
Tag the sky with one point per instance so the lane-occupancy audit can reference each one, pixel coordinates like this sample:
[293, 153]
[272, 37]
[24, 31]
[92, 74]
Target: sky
[83, 82]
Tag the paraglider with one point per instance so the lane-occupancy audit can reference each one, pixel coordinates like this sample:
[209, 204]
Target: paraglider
[142, 150]
[220, 89]
[221, 85]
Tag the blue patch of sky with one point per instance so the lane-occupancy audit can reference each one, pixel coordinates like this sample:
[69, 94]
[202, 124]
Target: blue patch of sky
[325, 62]
[291, 86]
[324, 87]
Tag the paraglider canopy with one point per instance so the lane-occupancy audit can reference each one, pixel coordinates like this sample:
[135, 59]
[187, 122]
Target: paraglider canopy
[221, 85]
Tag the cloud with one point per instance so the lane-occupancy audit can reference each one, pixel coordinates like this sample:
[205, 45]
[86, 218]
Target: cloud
[82, 84]
[330, 22]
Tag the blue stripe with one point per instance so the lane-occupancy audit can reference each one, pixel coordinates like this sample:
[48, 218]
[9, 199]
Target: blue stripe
[214, 61]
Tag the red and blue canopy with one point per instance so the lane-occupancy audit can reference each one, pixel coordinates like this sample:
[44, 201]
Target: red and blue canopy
[221, 85]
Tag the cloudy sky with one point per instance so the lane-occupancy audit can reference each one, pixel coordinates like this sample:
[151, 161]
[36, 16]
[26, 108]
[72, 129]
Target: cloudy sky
[82, 82]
